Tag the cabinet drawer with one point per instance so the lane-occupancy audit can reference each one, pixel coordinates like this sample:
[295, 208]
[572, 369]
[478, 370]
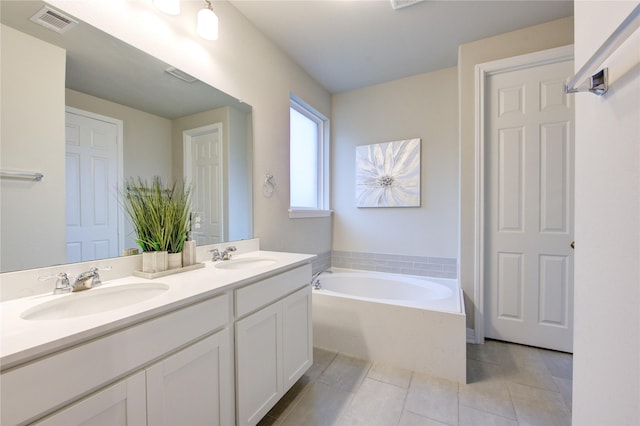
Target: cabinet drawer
[49, 383]
[254, 296]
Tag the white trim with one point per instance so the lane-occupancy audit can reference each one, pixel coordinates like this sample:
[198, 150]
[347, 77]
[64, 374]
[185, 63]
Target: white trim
[323, 152]
[482, 72]
[308, 213]
[120, 173]
[471, 336]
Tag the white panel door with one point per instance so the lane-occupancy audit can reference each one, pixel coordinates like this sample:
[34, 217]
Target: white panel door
[203, 168]
[529, 207]
[91, 188]
[121, 404]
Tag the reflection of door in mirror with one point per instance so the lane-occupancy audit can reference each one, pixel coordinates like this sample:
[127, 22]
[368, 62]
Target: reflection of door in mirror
[92, 167]
[203, 169]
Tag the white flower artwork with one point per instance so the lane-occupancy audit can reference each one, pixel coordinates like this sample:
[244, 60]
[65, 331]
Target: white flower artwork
[388, 174]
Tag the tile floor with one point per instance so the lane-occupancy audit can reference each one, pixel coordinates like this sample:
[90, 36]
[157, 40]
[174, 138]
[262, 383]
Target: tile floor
[508, 384]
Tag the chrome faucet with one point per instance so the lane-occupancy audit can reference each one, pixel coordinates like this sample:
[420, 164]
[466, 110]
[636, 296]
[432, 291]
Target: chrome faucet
[225, 255]
[83, 281]
[315, 278]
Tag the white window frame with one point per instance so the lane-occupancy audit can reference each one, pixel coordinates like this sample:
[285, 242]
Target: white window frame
[323, 162]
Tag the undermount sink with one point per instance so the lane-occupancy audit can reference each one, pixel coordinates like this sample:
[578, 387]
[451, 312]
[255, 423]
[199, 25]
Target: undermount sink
[94, 301]
[245, 263]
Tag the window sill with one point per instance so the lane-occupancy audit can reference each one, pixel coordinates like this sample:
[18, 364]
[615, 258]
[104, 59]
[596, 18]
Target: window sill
[302, 213]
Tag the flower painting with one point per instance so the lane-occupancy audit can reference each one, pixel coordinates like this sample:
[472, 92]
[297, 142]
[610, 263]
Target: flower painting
[388, 174]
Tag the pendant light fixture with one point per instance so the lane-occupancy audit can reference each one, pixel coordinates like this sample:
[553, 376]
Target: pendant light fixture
[170, 7]
[207, 26]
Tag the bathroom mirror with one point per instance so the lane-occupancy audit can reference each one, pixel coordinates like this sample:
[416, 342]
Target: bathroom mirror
[109, 79]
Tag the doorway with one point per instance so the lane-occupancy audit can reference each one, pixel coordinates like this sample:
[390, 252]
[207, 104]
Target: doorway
[204, 170]
[93, 174]
[526, 224]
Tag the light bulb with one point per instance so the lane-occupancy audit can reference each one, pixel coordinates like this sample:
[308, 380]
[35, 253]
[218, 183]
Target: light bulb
[207, 26]
[170, 7]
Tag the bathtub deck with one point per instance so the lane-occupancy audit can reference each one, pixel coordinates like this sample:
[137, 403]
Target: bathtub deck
[429, 342]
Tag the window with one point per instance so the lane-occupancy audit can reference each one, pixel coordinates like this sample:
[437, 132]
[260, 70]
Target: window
[308, 161]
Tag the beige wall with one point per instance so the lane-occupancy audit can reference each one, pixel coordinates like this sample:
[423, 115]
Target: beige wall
[423, 106]
[245, 64]
[147, 147]
[147, 150]
[33, 213]
[532, 39]
[606, 361]
[237, 164]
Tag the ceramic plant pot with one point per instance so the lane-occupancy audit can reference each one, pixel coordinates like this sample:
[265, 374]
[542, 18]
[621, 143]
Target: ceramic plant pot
[175, 260]
[189, 253]
[155, 261]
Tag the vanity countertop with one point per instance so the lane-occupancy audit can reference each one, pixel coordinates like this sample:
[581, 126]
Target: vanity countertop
[22, 340]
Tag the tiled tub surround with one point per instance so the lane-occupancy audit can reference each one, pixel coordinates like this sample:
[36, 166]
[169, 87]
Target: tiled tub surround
[321, 262]
[422, 339]
[442, 267]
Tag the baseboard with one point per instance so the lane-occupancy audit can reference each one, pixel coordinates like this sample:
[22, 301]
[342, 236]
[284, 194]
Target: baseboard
[471, 335]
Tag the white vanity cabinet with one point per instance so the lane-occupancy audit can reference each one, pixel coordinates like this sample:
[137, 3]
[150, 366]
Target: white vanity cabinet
[274, 342]
[121, 404]
[190, 387]
[194, 386]
[161, 386]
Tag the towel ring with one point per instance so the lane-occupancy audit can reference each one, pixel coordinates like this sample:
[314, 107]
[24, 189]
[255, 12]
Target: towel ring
[269, 187]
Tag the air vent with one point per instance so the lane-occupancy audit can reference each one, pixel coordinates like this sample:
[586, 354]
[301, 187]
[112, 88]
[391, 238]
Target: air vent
[399, 4]
[54, 20]
[181, 75]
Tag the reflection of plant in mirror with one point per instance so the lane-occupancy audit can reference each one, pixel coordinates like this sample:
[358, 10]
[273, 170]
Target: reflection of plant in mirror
[159, 214]
[178, 216]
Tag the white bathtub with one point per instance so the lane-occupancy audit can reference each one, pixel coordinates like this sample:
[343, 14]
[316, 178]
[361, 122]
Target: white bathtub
[416, 323]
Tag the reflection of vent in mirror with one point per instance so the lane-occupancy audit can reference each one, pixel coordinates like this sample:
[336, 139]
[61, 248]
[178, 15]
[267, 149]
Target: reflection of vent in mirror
[53, 20]
[399, 4]
[181, 75]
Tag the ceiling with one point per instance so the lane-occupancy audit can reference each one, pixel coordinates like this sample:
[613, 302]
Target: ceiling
[348, 44]
[103, 66]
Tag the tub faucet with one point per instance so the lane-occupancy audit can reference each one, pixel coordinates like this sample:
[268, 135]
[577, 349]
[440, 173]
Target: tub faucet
[315, 279]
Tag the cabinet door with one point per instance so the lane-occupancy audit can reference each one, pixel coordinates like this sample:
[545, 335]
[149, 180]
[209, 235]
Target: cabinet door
[259, 365]
[297, 337]
[193, 386]
[123, 403]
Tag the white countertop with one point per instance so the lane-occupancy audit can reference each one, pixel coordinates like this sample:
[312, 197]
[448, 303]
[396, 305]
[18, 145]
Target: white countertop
[24, 340]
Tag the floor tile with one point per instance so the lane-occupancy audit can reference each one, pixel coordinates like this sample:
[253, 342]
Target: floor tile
[565, 386]
[321, 360]
[489, 351]
[538, 406]
[290, 399]
[412, 419]
[375, 403]
[472, 417]
[321, 405]
[560, 364]
[524, 365]
[434, 398]
[345, 373]
[388, 374]
[486, 391]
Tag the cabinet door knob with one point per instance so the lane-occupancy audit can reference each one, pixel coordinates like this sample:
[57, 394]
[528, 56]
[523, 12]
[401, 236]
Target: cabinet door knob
[573, 244]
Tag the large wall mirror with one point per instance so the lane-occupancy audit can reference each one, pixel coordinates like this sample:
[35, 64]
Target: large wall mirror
[88, 111]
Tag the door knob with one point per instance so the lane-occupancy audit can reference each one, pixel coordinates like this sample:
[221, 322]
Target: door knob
[573, 244]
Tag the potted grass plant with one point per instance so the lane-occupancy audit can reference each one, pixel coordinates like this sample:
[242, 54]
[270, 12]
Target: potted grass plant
[177, 222]
[160, 218]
